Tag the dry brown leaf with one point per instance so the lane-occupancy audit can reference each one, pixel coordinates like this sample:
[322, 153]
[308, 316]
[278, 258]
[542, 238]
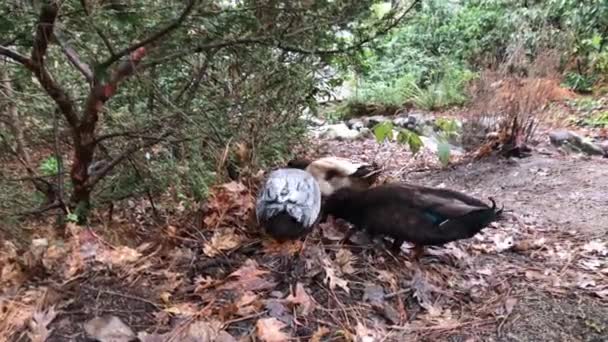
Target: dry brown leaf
[510, 305]
[38, 325]
[183, 309]
[108, 329]
[596, 246]
[119, 256]
[248, 304]
[387, 277]
[345, 259]
[302, 299]
[363, 334]
[228, 205]
[199, 331]
[222, 240]
[318, 335]
[271, 246]
[333, 280]
[247, 278]
[269, 330]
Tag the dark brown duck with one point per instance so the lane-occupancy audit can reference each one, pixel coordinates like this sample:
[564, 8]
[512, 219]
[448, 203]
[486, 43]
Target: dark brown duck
[405, 212]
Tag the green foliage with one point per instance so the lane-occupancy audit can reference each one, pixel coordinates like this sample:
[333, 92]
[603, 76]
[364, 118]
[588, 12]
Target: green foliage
[49, 167]
[449, 128]
[383, 131]
[597, 120]
[444, 152]
[578, 82]
[410, 138]
[429, 60]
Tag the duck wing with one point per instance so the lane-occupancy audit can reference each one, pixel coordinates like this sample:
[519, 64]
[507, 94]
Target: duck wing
[293, 191]
[444, 202]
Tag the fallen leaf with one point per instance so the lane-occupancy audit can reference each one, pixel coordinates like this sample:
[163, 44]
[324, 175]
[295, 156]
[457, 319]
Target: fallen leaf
[119, 256]
[199, 331]
[422, 293]
[363, 334]
[269, 330]
[222, 240]
[345, 259]
[318, 335]
[596, 246]
[272, 246]
[38, 325]
[503, 243]
[373, 293]
[509, 305]
[182, 309]
[333, 280]
[228, 205]
[277, 310]
[584, 282]
[247, 278]
[387, 277]
[248, 304]
[108, 329]
[302, 299]
[330, 231]
[165, 297]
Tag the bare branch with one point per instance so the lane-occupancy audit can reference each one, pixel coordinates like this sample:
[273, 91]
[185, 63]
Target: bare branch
[153, 38]
[16, 56]
[73, 56]
[102, 93]
[44, 31]
[118, 159]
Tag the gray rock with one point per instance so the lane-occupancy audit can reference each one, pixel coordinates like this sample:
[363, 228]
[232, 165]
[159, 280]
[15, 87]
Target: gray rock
[356, 124]
[339, 132]
[559, 137]
[432, 144]
[604, 146]
[372, 121]
[401, 121]
[575, 142]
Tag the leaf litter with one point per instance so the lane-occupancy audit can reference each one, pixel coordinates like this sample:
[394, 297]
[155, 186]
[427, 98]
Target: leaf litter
[207, 286]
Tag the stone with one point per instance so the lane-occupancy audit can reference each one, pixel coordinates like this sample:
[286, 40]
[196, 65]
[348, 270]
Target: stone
[604, 146]
[575, 142]
[372, 121]
[559, 137]
[356, 124]
[339, 132]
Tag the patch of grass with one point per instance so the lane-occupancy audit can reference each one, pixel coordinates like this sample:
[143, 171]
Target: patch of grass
[597, 120]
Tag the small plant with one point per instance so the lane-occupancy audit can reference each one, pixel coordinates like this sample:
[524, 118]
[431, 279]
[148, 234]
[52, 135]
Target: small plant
[384, 130]
[448, 127]
[579, 83]
[49, 167]
[597, 120]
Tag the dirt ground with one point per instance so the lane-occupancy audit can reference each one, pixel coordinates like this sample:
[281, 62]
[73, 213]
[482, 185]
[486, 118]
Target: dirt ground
[569, 193]
[539, 275]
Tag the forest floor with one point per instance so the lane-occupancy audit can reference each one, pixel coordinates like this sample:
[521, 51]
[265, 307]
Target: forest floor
[539, 275]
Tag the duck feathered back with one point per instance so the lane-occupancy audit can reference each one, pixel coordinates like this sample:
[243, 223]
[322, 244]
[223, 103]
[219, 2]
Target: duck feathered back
[422, 215]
